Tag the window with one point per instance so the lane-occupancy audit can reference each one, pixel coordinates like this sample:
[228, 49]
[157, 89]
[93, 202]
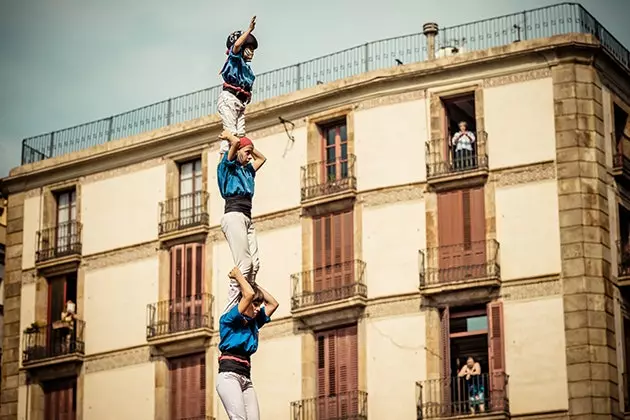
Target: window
[461, 234]
[188, 387]
[624, 241]
[620, 121]
[475, 332]
[337, 373]
[190, 191]
[65, 220]
[186, 307]
[60, 399]
[335, 151]
[625, 297]
[60, 290]
[461, 150]
[333, 250]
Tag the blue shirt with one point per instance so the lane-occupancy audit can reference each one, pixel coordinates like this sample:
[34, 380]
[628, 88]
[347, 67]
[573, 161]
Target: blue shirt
[238, 337]
[235, 179]
[237, 72]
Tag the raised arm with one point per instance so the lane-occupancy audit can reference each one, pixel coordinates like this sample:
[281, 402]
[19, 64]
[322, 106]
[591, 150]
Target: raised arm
[271, 304]
[234, 143]
[247, 293]
[236, 48]
[259, 159]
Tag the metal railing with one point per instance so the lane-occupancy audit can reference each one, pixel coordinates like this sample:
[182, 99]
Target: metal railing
[350, 405]
[328, 284]
[180, 315]
[59, 241]
[543, 22]
[183, 212]
[53, 340]
[623, 259]
[458, 263]
[443, 158]
[454, 396]
[328, 177]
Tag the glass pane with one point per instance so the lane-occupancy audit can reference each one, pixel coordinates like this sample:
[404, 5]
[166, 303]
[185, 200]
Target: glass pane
[198, 167]
[186, 170]
[344, 151]
[186, 186]
[343, 133]
[477, 323]
[330, 137]
[331, 173]
[63, 200]
[330, 154]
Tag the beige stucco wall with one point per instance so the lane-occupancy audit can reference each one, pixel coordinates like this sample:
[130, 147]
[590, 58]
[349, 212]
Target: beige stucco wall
[24, 403]
[124, 393]
[115, 304]
[391, 253]
[276, 373]
[27, 310]
[528, 229]
[535, 355]
[32, 223]
[519, 119]
[380, 133]
[396, 359]
[122, 211]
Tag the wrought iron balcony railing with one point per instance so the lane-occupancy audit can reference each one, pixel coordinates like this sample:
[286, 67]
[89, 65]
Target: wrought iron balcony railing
[53, 340]
[185, 211]
[180, 315]
[454, 396]
[59, 241]
[328, 284]
[350, 405]
[328, 177]
[443, 158]
[458, 263]
[544, 22]
[623, 259]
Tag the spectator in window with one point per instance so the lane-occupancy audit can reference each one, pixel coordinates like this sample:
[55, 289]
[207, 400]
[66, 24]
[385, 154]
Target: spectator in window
[463, 146]
[471, 372]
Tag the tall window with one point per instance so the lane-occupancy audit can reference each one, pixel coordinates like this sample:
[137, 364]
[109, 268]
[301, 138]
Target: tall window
[187, 306]
[60, 399]
[335, 151]
[333, 250]
[620, 118]
[60, 290]
[461, 234]
[188, 387]
[337, 373]
[190, 188]
[66, 216]
[461, 149]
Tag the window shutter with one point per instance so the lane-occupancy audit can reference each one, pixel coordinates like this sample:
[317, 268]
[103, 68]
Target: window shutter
[318, 254]
[326, 372]
[347, 362]
[347, 224]
[188, 387]
[445, 343]
[60, 400]
[450, 234]
[496, 355]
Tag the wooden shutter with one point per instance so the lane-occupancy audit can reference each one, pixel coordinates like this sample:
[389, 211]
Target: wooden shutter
[187, 268]
[337, 373]
[188, 387]
[60, 400]
[474, 233]
[450, 235]
[496, 355]
[447, 375]
[333, 250]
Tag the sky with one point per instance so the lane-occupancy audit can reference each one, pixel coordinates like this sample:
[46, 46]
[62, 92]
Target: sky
[67, 62]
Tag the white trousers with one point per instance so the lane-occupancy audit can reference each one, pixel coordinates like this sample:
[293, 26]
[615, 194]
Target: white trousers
[232, 113]
[241, 237]
[238, 396]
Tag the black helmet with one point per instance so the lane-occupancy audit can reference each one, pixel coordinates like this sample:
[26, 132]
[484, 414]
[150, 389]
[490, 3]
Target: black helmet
[250, 42]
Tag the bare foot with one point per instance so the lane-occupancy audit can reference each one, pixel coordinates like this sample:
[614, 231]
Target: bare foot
[235, 273]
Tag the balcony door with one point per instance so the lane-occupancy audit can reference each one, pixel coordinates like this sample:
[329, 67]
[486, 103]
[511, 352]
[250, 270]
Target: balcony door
[461, 235]
[187, 383]
[190, 197]
[66, 229]
[187, 309]
[60, 399]
[333, 256]
[337, 374]
[335, 153]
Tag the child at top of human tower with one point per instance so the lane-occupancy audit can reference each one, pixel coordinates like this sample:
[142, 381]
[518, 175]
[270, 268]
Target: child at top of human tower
[238, 80]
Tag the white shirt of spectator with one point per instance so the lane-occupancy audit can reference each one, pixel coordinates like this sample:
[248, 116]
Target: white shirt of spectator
[463, 140]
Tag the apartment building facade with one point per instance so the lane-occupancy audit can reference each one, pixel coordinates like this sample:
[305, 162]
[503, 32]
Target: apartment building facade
[394, 254]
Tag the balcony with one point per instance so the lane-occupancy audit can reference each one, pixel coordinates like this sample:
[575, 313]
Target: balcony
[447, 168]
[484, 396]
[59, 343]
[59, 245]
[329, 180]
[180, 325]
[185, 215]
[335, 291]
[459, 267]
[343, 406]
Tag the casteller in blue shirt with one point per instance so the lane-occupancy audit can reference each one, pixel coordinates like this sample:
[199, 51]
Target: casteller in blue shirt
[236, 184]
[239, 333]
[237, 72]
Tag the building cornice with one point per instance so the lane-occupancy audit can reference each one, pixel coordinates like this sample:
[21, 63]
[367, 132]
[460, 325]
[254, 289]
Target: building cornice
[522, 56]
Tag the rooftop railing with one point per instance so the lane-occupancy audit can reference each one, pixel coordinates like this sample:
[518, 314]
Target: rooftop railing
[544, 22]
